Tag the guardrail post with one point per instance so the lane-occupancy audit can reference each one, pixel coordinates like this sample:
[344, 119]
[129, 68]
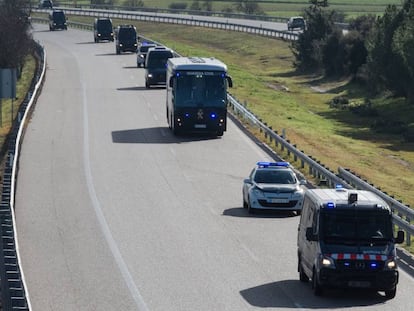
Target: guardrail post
[295, 157]
[270, 136]
[288, 151]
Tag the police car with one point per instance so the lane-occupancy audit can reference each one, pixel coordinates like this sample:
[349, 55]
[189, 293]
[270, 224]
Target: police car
[273, 186]
[142, 53]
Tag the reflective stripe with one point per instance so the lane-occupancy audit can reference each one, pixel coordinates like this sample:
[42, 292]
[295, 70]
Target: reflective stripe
[349, 256]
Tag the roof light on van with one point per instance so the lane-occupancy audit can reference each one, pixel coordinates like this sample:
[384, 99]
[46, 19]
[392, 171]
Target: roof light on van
[330, 205]
[268, 164]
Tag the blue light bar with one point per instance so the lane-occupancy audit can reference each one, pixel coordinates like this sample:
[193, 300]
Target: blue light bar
[338, 186]
[268, 164]
[213, 115]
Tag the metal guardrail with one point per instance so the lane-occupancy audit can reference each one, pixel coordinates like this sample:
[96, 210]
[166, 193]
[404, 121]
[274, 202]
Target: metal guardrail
[190, 21]
[13, 293]
[402, 214]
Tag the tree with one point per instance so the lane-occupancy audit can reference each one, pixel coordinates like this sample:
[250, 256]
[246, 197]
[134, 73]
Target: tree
[308, 49]
[249, 7]
[390, 51]
[15, 39]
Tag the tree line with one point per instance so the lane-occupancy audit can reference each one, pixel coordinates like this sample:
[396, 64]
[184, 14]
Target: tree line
[15, 38]
[377, 52]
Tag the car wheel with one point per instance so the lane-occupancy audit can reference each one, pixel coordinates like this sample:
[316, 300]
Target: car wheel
[244, 203]
[302, 275]
[250, 210]
[317, 288]
[118, 51]
[220, 133]
[147, 85]
[390, 294]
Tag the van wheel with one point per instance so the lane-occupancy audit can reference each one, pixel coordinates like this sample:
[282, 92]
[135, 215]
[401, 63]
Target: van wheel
[317, 288]
[302, 275]
[390, 294]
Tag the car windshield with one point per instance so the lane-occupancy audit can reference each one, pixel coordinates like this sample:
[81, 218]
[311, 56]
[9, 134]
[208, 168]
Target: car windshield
[271, 176]
[158, 59]
[356, 226]
[200, 89]
[127, 34]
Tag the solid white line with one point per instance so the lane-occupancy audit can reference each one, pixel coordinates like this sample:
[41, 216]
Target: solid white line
[101, 218]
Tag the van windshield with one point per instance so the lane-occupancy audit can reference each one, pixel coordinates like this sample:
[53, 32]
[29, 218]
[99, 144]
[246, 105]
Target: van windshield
[59, 17]
[104, 25]
[158, 59]
[128, 34]
[356, 226]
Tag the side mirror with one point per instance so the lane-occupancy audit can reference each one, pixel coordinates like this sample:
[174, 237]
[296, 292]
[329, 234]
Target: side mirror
[310, 236]
[400, 237]
[171, 82]
[303, 182]
[229, 81]
[247, 181]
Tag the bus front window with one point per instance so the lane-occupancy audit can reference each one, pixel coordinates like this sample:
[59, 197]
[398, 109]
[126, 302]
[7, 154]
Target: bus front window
[200, 90]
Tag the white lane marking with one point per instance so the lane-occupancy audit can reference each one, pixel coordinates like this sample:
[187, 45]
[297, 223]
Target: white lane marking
[139, 301]
[249, 252]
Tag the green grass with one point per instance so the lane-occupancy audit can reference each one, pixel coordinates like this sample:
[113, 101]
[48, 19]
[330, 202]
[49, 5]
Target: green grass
[9, 107]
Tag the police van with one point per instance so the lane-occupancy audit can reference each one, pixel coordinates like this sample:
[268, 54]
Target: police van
[346, 240]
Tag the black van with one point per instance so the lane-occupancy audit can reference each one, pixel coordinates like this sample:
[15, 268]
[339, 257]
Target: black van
[126, 39]
[156, 65]
[346, 240]
[57, 20]
[103, 29]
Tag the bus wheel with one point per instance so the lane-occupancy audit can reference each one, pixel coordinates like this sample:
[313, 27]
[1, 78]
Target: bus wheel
[220, 133]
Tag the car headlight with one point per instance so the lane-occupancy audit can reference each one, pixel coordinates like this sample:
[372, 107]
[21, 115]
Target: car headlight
[257, 192]
[390, 264]
[150, 75]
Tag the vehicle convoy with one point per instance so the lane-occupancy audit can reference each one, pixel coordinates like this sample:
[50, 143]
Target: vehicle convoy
[103, 29]
[197, 95]
[57, 20]
[346, 240]
[273, 186]
[156, 65]
[125, 39]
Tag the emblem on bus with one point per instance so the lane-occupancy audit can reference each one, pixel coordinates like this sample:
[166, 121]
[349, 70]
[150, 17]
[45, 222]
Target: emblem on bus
[200, 114]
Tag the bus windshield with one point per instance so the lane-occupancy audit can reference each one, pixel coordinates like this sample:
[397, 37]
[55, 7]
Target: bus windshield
[200, 89]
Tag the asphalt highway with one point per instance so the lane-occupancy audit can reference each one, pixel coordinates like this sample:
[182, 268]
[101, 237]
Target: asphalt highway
[114, 212]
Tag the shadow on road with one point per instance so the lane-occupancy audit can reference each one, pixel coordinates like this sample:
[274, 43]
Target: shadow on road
[155, 135]
[293, 293]
[242, 212]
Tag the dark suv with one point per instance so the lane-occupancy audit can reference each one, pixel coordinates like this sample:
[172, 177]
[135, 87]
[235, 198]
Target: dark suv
[126, 39]
[45, 4]
[102, 29]
[57, 20]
